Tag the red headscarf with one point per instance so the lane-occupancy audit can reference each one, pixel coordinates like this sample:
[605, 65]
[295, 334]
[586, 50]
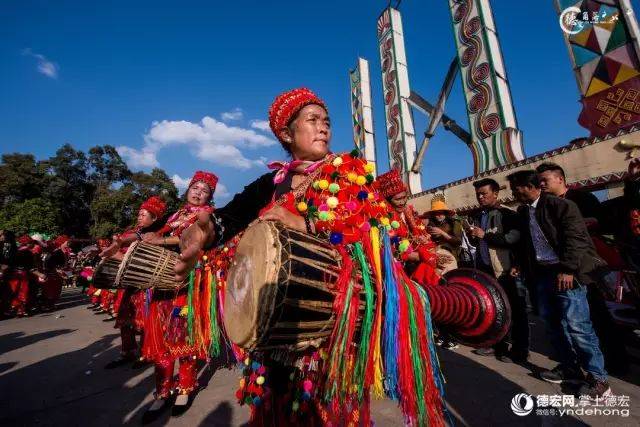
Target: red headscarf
[390, 183]
[155, 206]
[287, 104]
[207, 177]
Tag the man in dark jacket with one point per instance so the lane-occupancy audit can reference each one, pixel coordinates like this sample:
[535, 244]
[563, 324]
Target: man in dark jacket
[553, 181]
[495, 234]
[559, 261]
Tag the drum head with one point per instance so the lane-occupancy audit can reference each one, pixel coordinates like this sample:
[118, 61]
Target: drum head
[252, 285]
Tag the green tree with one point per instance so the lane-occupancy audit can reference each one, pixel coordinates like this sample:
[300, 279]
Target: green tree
[115, 209]
[107, 167]
[70, 190]
[21, 178]
[33, 215]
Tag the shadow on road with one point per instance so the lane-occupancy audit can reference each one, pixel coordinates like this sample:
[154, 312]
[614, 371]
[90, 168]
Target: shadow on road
[68, 389]
[480, 396]
[16, 340]
[221, 416]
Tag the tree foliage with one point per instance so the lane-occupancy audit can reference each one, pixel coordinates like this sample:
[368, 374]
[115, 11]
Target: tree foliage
[76, 193]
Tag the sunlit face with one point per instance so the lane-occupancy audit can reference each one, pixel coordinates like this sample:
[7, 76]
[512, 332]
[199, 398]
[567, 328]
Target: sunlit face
[399, 201]
[309, 134]
[552, 182]
[486, 196]
[198, 194]
[145, 219]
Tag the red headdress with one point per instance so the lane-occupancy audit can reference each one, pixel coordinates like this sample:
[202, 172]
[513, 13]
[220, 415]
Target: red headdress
[207, 177]
[390, 183]
[24, 240]
[287, 104]
[60, 240]
[155, 206]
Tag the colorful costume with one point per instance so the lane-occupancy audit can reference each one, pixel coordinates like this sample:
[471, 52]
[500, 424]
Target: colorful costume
[366, 353]
[176, 325]
[130, 302]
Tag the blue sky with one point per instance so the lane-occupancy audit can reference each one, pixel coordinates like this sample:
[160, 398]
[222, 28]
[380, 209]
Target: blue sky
[157, 77]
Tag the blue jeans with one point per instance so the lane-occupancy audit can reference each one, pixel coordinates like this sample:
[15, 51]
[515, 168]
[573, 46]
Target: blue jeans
[568, 324]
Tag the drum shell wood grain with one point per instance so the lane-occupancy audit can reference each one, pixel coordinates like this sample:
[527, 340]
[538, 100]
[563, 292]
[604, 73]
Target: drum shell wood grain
[147, 266]
[278, 292]
[105, 274]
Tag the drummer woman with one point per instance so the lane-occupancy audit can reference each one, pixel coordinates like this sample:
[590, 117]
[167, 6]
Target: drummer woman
[129, 304]
[332, 196]
[166, 326]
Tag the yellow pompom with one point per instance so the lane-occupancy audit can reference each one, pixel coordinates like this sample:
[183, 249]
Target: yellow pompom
[405, 242]
[302, 206]
[337, 161]
[226, 249]
[384, 221]
[323, 184]
[351, 177]
[260, 380]
[383, 205]
[369, 167]
[331, 216]
[247, 361]
[371, 196]
[361, 180]
[204, 258]
[184, 311]
[241, 382]
[332, 202]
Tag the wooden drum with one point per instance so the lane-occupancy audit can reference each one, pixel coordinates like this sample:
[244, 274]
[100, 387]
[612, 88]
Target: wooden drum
[148, 266]
[105, 274]
[277, 294]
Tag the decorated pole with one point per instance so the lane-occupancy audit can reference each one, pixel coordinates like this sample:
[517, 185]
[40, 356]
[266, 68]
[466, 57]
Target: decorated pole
[401, 139]
[496, 140]
[602, 39]
[361, 111]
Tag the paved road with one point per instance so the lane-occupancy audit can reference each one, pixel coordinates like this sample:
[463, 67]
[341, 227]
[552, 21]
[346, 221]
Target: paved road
[51, 373]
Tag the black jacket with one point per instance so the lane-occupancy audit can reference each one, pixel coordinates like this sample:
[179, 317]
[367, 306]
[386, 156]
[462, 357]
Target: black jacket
[566, 232]
[236, 215]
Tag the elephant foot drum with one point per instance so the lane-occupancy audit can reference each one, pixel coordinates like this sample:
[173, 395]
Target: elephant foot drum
[149, 266]
[471, 306]
[278, 292]
[105, 274]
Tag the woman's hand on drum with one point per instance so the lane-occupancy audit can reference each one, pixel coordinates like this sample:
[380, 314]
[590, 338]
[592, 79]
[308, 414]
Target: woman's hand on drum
[280, 214]
[111, 250]
[192, 240]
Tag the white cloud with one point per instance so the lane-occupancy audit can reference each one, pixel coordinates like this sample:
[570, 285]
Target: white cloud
[235, 114]
[261, 124]
[209, 140]
[44, 66]
[183, 183]
[180, 182]
[145, 158]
